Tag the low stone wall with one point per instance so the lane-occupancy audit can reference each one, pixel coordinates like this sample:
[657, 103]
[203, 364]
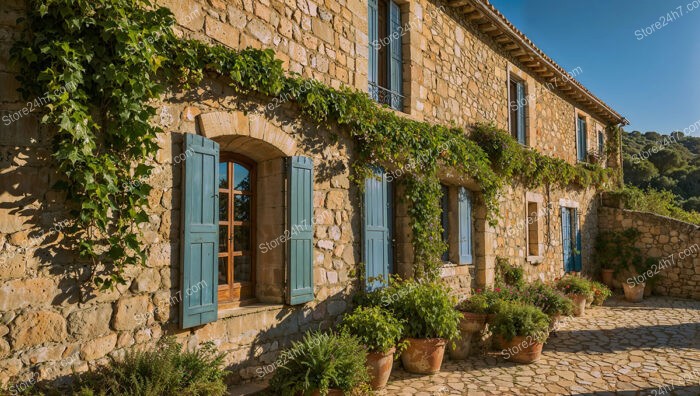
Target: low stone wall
[675, 242]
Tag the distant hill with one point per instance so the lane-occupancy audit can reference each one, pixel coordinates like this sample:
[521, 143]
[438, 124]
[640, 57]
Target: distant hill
[664, 162]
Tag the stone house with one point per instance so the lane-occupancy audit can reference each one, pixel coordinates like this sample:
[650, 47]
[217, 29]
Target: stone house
[256, 230]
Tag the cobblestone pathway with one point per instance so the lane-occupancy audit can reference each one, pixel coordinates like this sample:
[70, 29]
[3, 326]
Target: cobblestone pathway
[650, 348]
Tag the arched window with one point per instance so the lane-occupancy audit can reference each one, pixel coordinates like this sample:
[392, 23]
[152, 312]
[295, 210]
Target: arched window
[236, 228]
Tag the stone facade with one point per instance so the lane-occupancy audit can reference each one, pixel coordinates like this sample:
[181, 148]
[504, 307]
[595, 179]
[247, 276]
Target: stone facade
[675, 243]
[452, 73]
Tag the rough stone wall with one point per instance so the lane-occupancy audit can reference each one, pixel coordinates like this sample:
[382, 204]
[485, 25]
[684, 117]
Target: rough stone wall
[674, 242]
[454, 74]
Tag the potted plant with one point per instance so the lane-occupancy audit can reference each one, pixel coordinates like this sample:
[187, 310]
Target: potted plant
[523, 330]
[549, 300]
[323, 364]
[430, 322]
[600, 292]
[607, 252]
[474, 312]
[578, 290]
[380, 332]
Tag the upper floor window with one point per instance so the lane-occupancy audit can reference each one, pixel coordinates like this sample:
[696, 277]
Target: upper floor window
[581, 139]
[385, 53]
[518, 107]
[601, 143]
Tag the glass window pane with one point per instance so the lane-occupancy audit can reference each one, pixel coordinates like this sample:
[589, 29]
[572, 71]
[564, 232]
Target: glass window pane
[241, 210]
[223, 270]
[223, 239]
[241, 238]
[242, 268]
[241, 178]
[223, 174]
[223, 207]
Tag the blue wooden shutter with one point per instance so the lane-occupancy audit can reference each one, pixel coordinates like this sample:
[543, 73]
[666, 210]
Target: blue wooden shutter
[577, 256]
[395, 56]
[582, 139]
[520, 87]
[465, 226]
[200, 232]
[300, 244]
[377, 216]
[566, 239]
[373, 37]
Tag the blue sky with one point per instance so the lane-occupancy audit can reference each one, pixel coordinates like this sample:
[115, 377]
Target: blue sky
[654, 82]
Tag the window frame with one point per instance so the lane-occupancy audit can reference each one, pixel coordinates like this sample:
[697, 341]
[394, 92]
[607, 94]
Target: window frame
[380, 76]
[517, 109]
[581, 138]
[238, 293]
[445, 221]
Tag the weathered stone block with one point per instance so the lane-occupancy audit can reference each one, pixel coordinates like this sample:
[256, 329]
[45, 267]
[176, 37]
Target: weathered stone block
[99, 347]
[222, 32]
[34, 328]
[23, 293]
[126, 311]
[90, 323]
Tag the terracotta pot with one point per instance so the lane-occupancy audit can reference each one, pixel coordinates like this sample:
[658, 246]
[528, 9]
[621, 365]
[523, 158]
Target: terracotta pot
[497, 342]
[589, 302]
[462, 346]
[331, 392]
[490, 318]
[523, 350]
[380, 365]
[472, 322]
[579, 303]
[423, 355]
[634, 293]
[648, 289]
[607, 275]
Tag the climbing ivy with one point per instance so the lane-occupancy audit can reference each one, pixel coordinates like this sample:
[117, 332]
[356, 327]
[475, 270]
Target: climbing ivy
[121, 55]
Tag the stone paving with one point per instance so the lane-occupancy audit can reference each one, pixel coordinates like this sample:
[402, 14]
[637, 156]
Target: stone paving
[650, 348]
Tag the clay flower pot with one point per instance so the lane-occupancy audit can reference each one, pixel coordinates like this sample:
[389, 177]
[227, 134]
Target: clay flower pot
[380, 365]
[497, 342]
[634, 293]
[607, 275]
[579, 303]
[461, 347]
[523, 350]
[423, 355]
[472, 322]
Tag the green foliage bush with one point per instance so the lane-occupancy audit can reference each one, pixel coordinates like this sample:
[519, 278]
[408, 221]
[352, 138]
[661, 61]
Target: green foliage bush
[321, 361]
[375, 327]
[509, 275]
[570, 284]
[165, 370]
[664, 203]
[427, 310]
[548, 299]
[479, 303]
[600, 292]
[518, 319]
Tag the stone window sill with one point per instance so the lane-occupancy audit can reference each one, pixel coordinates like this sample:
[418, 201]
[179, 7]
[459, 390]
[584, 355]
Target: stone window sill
[535, 259]
[248, 310]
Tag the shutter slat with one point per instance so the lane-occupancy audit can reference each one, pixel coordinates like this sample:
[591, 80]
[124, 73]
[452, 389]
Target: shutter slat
[577, 255]
[373, 37]
[200, 248]
[465, 227]
[300, 244]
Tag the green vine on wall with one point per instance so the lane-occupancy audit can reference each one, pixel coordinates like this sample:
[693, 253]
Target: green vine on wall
[121, 55]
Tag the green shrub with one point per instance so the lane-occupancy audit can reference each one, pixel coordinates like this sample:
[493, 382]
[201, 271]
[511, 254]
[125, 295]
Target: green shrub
[478, 303]
[165, 370]
[518, 319]
[575, 285]
[600, 293]
[321, 361]
[376, 328]
[508, 275]
[548, 299]
[427, 310]
[664, 203]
